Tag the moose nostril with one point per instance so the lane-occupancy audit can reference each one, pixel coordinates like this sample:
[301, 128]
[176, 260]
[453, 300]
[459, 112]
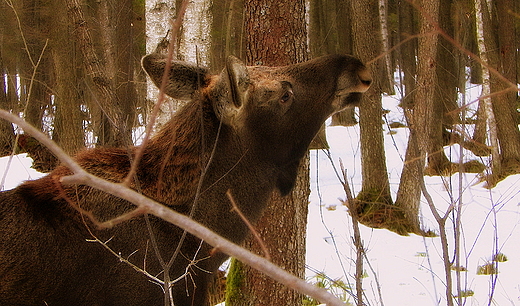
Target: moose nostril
[365, 77]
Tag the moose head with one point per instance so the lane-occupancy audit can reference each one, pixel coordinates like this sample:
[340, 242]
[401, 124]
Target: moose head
[274, 111]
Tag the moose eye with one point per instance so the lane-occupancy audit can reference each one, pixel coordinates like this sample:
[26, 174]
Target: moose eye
[286, 96]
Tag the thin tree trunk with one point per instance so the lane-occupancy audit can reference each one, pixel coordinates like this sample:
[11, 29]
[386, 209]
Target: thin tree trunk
[226, 31]
[34, 94]
[409, 192]
[6, 127]
[483, 35]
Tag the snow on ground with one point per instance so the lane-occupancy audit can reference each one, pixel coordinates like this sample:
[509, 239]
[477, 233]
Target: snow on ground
[409, 270]
[19, 170]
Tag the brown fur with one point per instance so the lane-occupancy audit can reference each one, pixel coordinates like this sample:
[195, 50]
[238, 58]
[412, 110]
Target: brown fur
[245, 131]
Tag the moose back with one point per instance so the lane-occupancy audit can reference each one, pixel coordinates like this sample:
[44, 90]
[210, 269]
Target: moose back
[245, 130]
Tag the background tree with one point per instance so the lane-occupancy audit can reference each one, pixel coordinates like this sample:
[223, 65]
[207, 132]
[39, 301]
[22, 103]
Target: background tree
[44, 68]
[276, 35]
[409, 193]
[107, 61]
[68, 121]
[227, 32]
[499, 38]
[374, 197]
[7, 136]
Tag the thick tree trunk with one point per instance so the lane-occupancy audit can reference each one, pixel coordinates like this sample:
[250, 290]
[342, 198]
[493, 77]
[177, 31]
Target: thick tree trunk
[276, 35]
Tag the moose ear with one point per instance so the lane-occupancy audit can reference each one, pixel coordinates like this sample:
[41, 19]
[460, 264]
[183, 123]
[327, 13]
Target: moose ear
[230, 92]
[183, 80]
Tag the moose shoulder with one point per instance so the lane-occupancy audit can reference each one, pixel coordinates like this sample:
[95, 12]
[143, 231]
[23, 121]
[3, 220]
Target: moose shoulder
[245, 130]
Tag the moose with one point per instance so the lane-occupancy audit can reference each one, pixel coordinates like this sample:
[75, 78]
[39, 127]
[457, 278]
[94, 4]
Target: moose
[244, 131]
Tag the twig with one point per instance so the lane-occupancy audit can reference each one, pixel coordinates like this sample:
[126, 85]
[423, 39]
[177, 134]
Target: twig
[126, 261]
[357, 237]
[441, 221]
[329, 231]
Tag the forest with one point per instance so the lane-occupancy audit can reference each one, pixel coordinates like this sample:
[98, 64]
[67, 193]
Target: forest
[72, 69]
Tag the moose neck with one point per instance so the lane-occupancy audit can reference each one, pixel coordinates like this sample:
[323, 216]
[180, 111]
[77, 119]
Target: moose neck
[177, 157]
[174, 158]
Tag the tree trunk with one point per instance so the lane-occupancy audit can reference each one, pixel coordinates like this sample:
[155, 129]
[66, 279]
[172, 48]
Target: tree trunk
[419, 104]
[374, 200]
[276, 35]
[34, 75]
[409, 192]
[9, 57]
[426, 76]
[68, 123]
[444, 109]
[6, 127]
[502, 56]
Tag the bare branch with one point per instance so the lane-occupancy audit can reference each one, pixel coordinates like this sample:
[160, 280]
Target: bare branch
[358, 243]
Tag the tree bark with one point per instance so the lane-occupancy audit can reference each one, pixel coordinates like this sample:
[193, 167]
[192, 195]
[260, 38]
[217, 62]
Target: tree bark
[276, 35]
[68, 123]
[502, 56]
[426, 76]
[374, 199]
